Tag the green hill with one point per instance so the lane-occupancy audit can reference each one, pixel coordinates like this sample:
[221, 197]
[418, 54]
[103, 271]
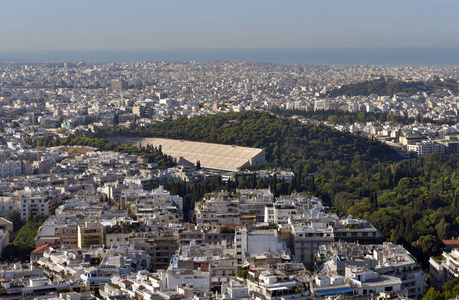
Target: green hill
[414, 202]
[389, 87]
[288, 143]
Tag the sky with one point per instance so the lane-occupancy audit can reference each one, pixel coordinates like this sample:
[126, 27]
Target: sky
[226, 24]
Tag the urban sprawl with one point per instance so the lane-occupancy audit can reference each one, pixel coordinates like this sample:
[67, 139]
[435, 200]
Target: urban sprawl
[114, 231]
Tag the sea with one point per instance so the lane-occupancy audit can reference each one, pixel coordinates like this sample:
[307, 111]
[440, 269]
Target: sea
[317, 56]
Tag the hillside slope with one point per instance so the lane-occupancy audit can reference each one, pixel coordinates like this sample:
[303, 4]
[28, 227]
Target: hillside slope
[288, 143]
[389, 86]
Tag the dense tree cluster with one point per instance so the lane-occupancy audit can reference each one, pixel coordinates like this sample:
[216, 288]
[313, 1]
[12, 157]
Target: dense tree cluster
[450, 291]
[413, 202]
[24, 240]
[288, 143]
[389, 87]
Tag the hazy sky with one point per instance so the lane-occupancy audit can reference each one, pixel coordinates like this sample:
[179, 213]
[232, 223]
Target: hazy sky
[169, 24]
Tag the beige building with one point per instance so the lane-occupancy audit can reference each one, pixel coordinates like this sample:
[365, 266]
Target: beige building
[90, 233]
[57, 234]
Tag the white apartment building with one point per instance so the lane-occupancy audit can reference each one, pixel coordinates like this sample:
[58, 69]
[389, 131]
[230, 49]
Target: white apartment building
[367, 284]
[7, 205]
[10, 168]
[222, 209]
[246, 207]
[257, 242]
[327, 285]
[425, 148]
[307, 238]
[446, 269]
[34, 205]
[171, 279]
[386, 259]
[279, 214]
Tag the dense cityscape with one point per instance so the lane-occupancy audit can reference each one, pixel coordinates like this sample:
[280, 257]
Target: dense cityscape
[198, 220]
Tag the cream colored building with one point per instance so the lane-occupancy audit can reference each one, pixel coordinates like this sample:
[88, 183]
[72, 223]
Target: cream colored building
[90, 233]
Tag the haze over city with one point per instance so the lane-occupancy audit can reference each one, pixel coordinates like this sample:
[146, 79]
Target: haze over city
[102, 25]
[216, 150]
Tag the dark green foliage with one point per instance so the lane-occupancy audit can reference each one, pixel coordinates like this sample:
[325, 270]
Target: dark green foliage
[227, 229]
[288, 143]
[193, 192]
[243, 273]
[24, 242]
[433, 294]
[15, 217]
[431, 244]
[389, 87]
[413, 202]
[450, 291]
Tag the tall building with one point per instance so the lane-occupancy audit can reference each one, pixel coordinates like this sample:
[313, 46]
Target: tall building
[90, 233]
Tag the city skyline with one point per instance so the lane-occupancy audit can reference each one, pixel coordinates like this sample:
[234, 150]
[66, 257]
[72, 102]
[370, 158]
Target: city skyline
[104, 25]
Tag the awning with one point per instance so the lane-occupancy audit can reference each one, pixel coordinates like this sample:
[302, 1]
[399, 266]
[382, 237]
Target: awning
[58, 268]
[277, 288]
[331, 292]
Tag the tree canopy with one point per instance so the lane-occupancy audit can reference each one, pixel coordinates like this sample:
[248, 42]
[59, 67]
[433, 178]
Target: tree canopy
[288, 143]
[389, 86]
[24, 241]
[414, 202]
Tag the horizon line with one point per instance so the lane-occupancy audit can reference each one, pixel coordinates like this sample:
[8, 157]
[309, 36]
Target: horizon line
[235, 48]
